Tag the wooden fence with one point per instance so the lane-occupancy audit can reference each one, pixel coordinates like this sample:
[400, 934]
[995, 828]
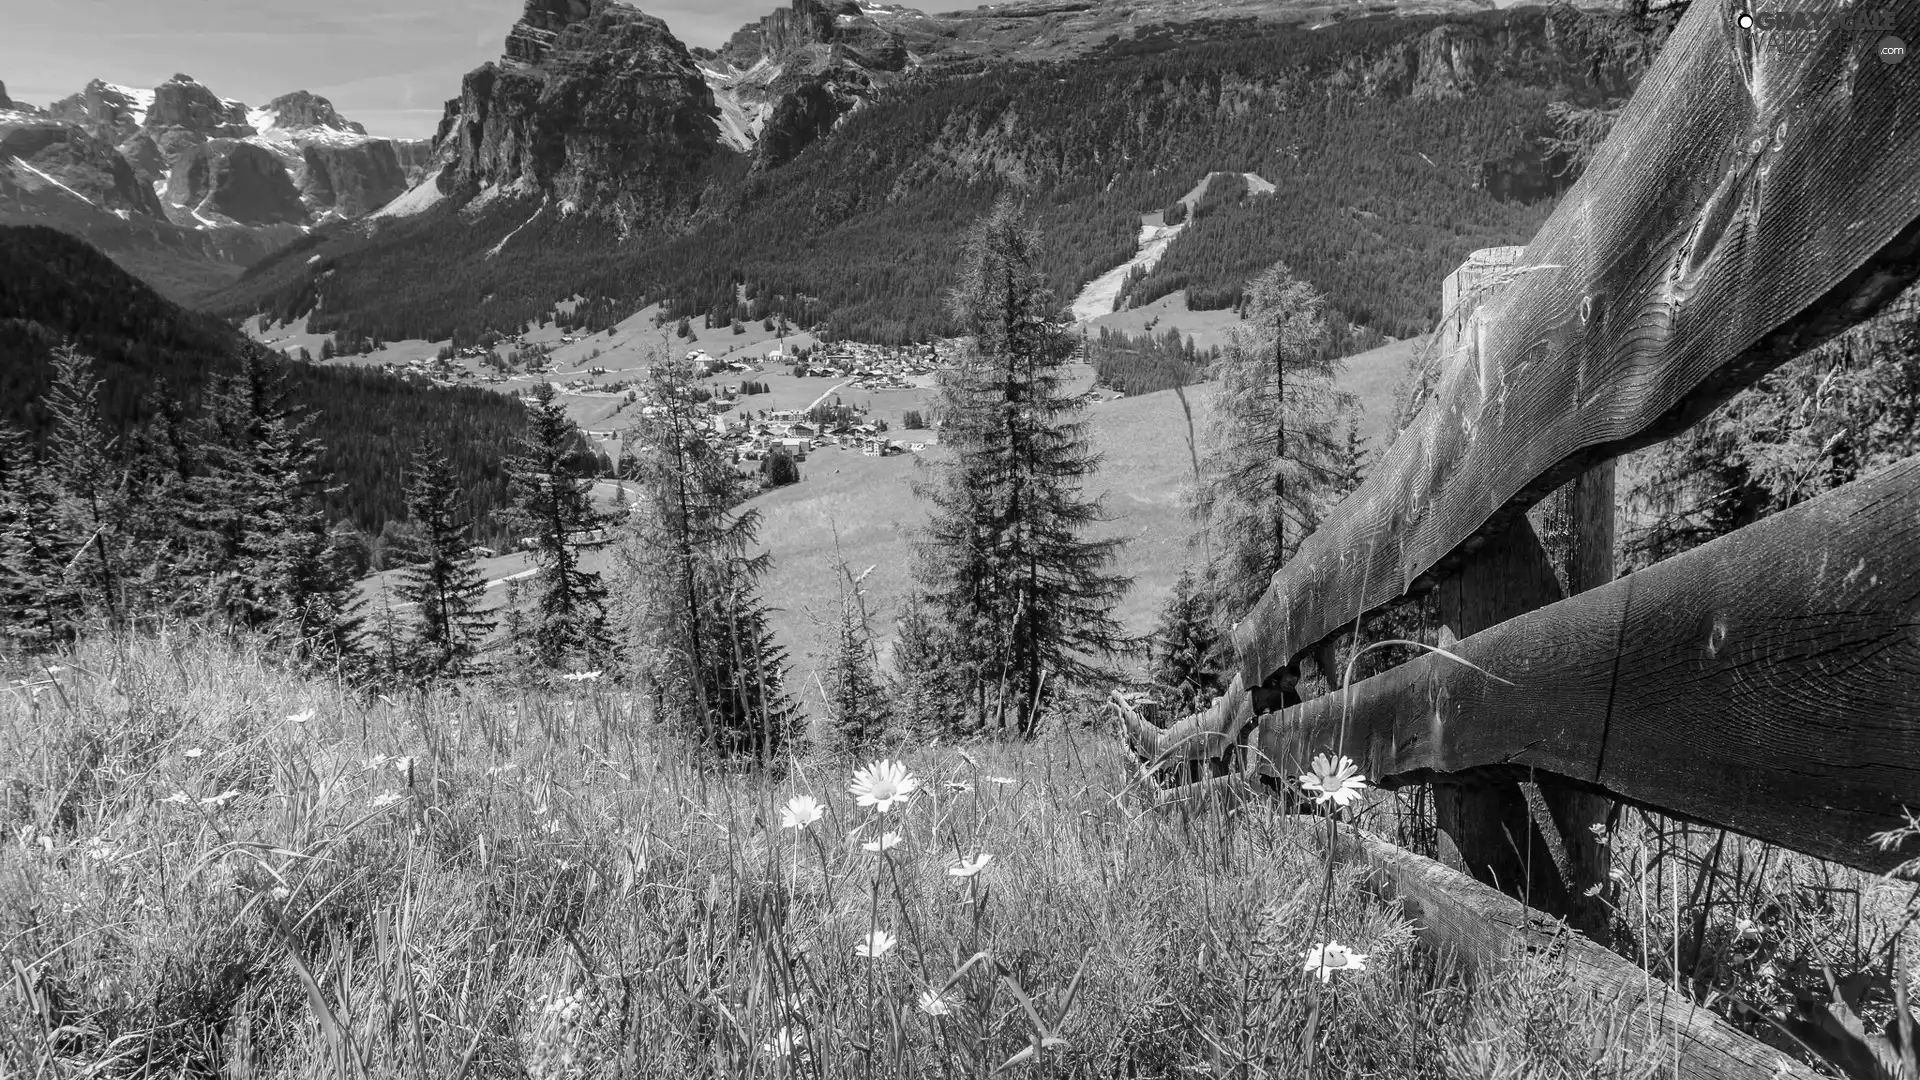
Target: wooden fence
[1760, 194]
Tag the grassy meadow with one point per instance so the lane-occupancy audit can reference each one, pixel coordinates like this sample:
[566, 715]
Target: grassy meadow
[210, 868]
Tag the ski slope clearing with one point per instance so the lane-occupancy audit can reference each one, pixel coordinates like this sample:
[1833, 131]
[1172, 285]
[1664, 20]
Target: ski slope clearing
[1156, 237]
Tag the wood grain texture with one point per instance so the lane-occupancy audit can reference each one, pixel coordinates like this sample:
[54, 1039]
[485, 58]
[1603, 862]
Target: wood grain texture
[1485, 823]
[1756, 197]
[1453, 912]
[1767, 682]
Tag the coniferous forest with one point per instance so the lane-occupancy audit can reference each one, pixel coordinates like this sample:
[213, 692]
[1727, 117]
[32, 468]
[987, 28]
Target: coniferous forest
[156, 361]
[1384, 181]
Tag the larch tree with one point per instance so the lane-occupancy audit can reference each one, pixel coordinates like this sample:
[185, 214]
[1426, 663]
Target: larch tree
[444, 586]
[1005, 562]
[554, 505]
[692, 613]
[857, 705]
[1271, 454]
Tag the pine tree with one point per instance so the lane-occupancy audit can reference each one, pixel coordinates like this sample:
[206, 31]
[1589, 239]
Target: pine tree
[554, 506]
[857, 707]
[444, 585]
[80, 455]
[1270, 451]
[1352, 468]
[1186, 645]
[259, 515]
[695, 619]
[38, 610]
[1003, 563]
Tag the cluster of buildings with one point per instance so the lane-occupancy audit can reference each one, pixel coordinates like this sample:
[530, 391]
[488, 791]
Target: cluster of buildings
[872, 367]
[753, 438]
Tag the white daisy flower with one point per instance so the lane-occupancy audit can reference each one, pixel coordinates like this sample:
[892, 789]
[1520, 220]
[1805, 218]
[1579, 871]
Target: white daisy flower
[800, 812]
[887, 842]
[935, 1004]
[300, 717]
[882, 784]
[878, 944]
[1339, 781]
[1331, 957]
[970, 867]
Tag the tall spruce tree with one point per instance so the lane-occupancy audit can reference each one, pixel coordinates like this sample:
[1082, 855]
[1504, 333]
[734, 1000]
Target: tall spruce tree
[263, 543]
[81, 457]
[1271, 455]
[694, 617]
[1005, 562]
[38, 609]
[554, 505]
[1186, 647]
[444, 584]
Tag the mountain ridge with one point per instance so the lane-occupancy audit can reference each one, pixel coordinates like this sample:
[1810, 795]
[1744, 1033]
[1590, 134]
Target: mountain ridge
[224, 184]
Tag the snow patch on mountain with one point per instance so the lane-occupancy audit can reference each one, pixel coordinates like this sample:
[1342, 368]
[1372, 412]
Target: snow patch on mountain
[139, 101]
[418, 200]
[21, 162]
[741, 120]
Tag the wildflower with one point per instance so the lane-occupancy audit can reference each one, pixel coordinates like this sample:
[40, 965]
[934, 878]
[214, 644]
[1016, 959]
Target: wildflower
[580, 676]
[784, 1042]
[221, 799]
[178, 798]
[935, 1004]
[886, 842]
[882, 784]
[999, 779]
[970, 867]
[878, 944]
[375, 762]
[387, 798]
[99, 849]
[1746, 930]
[280, 893]
[955, 785]
[1332, 957]
[1341, 782]
[800, 812]
[195, 752]
[300, 717]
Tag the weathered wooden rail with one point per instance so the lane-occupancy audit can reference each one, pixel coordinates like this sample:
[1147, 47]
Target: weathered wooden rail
[1760, 194]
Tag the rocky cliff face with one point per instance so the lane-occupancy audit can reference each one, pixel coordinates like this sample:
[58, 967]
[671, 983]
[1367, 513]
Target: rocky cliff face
[44, 155]
[182, 103]
[351, 181]
[5, 101]
[235, 180]
[596, 105]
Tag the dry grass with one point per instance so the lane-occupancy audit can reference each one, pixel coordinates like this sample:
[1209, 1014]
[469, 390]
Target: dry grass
[197, 881]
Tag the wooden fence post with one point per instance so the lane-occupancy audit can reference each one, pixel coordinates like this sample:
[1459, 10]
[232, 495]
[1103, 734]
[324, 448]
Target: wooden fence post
[1486, 827]
[1575, 815]
[1531, 841]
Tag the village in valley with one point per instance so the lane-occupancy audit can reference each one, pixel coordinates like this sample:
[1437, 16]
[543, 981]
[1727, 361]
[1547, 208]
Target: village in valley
[770, 391]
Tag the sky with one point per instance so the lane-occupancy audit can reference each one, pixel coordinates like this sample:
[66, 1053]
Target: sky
[389, 65]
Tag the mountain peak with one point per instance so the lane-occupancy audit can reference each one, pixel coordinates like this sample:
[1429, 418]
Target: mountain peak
[302, 109]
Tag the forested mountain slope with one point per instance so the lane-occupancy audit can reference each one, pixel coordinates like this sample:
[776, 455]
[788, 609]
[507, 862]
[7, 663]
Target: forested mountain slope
[56, 288]
[1397, 145]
